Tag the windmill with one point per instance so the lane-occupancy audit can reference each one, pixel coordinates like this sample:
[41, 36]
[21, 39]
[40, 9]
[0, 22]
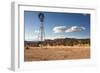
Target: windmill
[41, 28]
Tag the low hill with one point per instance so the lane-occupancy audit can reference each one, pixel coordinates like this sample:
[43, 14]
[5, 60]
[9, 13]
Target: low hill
[59, 41]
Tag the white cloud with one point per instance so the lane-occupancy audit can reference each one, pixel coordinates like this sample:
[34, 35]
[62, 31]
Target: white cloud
[59, 29]
[36, 31]
[54, 37]
[75, 29]
[31, 38]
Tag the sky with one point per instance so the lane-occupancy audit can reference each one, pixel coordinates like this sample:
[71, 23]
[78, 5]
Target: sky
[57, 25]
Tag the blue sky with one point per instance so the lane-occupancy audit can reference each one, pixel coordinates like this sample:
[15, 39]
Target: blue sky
[57, 25]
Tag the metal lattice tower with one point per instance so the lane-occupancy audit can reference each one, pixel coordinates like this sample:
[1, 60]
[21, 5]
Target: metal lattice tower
[41, 29]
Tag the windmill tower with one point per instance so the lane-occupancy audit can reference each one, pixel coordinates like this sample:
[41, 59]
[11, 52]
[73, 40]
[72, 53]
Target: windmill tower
[41, 29]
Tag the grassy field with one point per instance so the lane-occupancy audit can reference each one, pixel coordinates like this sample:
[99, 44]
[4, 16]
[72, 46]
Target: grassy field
[56, 53]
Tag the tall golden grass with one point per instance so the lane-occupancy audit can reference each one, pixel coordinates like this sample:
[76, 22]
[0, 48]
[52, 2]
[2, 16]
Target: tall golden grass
[56, 53]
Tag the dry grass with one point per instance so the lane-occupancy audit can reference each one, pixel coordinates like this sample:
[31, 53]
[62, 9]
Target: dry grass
[56, 53]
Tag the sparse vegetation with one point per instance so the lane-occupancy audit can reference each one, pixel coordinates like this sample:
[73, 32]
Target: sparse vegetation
[59, 42]
[58, 49]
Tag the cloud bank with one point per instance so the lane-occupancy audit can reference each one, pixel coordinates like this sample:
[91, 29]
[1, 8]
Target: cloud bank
[61, 29]
[75, 29]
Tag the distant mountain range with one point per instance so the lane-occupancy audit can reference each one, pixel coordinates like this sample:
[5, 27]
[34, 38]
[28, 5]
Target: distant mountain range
[59, 41]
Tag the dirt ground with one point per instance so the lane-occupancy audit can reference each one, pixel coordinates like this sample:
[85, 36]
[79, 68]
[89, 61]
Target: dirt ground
[56, 53]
